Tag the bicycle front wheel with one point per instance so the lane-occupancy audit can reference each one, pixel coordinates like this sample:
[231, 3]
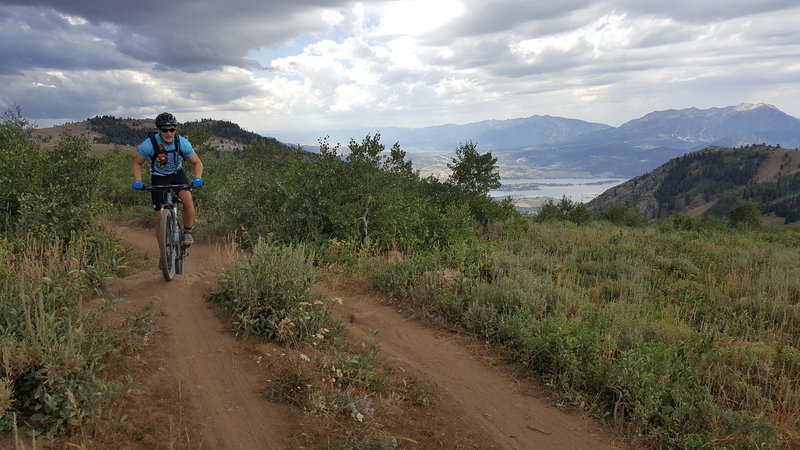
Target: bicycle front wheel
[167, 244]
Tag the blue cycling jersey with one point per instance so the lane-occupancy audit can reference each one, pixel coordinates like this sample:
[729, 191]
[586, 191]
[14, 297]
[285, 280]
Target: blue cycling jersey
[174, 162]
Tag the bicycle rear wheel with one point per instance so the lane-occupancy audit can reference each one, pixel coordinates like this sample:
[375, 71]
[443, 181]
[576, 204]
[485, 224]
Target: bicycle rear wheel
[167, 244]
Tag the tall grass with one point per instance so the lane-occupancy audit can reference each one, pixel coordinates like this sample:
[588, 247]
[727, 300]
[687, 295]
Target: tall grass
[689, 339]
[51, 350]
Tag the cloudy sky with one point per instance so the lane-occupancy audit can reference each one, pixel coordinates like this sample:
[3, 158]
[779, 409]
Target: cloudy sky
[279, 67]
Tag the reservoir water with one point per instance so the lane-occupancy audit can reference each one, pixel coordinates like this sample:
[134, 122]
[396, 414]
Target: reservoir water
[529, 190]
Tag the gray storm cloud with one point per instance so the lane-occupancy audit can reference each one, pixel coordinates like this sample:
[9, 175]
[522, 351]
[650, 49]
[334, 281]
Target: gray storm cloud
[338, 63]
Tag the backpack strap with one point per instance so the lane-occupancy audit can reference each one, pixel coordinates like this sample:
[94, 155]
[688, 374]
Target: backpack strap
[159, 149]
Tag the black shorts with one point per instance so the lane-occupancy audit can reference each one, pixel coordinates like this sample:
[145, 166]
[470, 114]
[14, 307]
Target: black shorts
[178, 177]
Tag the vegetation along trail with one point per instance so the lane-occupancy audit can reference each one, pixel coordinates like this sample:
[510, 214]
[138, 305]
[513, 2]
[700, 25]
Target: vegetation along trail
[219, 379]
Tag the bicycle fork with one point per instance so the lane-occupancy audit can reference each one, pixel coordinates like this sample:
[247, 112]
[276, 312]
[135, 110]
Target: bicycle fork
[176, 236]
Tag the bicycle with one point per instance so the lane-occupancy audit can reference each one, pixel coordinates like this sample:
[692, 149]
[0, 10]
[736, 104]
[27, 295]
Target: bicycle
[170, 231]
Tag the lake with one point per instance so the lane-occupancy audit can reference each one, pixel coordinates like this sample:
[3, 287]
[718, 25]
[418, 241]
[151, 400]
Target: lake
[530, 191]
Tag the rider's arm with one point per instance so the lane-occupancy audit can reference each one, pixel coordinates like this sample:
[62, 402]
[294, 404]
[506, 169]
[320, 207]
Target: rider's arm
[197, 163]
[138, 160]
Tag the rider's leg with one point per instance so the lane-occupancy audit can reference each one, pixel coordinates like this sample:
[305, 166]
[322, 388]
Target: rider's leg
[188, 217]
[188, 208]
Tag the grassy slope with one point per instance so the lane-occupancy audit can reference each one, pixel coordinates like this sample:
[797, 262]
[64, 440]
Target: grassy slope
[689, 339]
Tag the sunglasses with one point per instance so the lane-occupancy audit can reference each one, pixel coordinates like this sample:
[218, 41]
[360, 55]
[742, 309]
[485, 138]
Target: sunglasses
[167, 130]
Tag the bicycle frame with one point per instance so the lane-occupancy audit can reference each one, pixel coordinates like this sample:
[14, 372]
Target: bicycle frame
[170, 231]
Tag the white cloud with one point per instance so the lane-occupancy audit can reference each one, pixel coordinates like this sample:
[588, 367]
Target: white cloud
[74, 20]
[415, 17]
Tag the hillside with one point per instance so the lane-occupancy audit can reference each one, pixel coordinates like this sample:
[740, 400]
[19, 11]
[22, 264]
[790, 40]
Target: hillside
[711, 181]
[105, 132]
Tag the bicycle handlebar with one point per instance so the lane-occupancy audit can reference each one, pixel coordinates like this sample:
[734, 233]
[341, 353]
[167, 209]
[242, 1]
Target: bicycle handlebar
[166, 187]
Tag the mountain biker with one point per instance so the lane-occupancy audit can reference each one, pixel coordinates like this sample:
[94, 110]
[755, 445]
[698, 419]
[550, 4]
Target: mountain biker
[167, 150]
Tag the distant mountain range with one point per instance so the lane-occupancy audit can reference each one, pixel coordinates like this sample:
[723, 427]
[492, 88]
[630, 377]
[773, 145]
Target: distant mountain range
[532, 147]
[491, 135]
[541, 146]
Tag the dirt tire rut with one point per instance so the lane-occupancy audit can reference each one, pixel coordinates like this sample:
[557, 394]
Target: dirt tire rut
[510, 411]
[218, 378]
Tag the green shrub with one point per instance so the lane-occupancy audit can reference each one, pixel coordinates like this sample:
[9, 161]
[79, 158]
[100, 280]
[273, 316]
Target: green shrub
[352, 369]
[746, 215]
[682, 222]
[268, 295]
[114, 183]
[656, 388]
[22, 163]
[565, 209]
[568, 353]
[624, 216]
[368, 196]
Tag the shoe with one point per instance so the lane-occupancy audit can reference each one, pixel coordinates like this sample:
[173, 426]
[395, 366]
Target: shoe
[187, 238]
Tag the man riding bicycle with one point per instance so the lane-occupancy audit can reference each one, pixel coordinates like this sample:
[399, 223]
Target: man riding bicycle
[166, 151]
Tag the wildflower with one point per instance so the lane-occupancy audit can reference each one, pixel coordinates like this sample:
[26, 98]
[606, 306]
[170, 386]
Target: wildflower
[304, 357]
[368, 409]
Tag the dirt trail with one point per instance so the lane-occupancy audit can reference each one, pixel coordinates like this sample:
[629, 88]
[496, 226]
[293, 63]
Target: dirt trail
[218, 379]
[508, 410]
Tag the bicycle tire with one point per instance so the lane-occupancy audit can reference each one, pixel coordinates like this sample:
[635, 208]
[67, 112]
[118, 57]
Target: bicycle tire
[166, 244]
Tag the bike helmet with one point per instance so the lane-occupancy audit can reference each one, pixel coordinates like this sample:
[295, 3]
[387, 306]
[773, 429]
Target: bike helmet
[165, 119]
